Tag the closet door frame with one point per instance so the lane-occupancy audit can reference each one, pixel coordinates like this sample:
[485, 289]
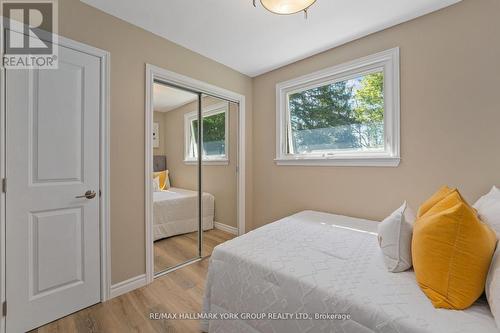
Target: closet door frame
[154, 73]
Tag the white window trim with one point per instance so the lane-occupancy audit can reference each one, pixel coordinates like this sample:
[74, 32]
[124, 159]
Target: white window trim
[388, 61]
[207, 112]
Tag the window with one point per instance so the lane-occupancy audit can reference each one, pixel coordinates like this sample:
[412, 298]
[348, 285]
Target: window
[215, 135]
[344, 115]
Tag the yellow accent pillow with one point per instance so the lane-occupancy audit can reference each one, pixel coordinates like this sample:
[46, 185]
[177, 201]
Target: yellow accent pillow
[164, 179]
[442, 193]
[452, 251]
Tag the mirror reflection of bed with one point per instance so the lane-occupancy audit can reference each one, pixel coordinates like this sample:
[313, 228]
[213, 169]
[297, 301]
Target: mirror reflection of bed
[177, 242]
[176, 175]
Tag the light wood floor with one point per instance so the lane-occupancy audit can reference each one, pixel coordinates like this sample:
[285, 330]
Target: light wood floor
[180, 291]
[175, 250]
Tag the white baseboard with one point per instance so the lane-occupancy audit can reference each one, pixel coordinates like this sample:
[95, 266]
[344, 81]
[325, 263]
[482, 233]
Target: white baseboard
[128, 285]
[226, 228]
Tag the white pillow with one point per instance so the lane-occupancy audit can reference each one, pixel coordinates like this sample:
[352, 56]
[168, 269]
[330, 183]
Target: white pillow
[488, 208]
[394, 237]
[167, 181]
[156, 184]
[492, 286]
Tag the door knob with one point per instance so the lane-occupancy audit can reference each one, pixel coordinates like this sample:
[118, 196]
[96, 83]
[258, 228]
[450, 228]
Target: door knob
[88, 195]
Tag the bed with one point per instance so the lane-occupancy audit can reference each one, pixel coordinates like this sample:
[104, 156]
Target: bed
[175, 211]
[318, 263]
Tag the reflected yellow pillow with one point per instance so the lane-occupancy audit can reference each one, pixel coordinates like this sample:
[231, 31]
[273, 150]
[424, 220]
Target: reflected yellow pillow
[164, 179]
[452, 251]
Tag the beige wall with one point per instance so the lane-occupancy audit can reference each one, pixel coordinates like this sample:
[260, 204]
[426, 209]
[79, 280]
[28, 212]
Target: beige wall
[450, 116]
[450, 77]
[219, 180]
[131, 48]
[159, 117]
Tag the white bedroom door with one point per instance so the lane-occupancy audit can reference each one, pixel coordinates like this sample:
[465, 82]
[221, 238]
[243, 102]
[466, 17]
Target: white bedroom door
[52, 154]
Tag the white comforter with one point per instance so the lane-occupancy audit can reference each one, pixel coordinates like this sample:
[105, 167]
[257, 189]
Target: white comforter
[314, 262]
[175, 212]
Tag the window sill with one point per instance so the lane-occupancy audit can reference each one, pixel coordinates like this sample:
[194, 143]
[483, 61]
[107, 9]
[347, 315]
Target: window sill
[340, 161]
[208, 162]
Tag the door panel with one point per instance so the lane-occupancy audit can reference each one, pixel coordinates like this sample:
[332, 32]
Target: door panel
[50, 106]
[52, 147]
[50, 268]
[220, 142]
[176, 210]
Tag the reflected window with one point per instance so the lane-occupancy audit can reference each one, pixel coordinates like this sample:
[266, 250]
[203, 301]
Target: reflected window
[215, 134]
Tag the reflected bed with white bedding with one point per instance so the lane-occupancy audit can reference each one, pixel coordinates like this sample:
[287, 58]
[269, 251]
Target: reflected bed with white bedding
[314, 262]
[175, 212]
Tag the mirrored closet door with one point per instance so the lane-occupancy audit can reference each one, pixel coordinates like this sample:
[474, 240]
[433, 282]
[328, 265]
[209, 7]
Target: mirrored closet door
[195, 162]
[176, 177]
[219, 171]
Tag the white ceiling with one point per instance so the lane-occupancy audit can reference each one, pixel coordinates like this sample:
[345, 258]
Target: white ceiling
[254, 41]
[166, 98]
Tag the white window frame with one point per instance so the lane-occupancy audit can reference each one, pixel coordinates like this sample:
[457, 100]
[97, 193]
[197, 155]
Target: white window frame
[208, 111]
[387, 62]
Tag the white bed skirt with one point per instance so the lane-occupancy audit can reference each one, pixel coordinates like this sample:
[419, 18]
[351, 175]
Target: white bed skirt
[175, 212]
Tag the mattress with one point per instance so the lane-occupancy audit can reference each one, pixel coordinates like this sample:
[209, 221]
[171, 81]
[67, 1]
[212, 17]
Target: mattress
[321, 266]
[175, 212]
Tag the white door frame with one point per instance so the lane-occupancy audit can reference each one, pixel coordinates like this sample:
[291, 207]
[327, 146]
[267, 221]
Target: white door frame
[104, 200]
[156, 73]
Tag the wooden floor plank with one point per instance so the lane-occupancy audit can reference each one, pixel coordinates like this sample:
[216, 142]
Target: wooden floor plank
[171, 251]
[180, 291]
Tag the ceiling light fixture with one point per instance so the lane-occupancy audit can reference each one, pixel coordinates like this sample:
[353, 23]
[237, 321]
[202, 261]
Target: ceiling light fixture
[286, 7]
